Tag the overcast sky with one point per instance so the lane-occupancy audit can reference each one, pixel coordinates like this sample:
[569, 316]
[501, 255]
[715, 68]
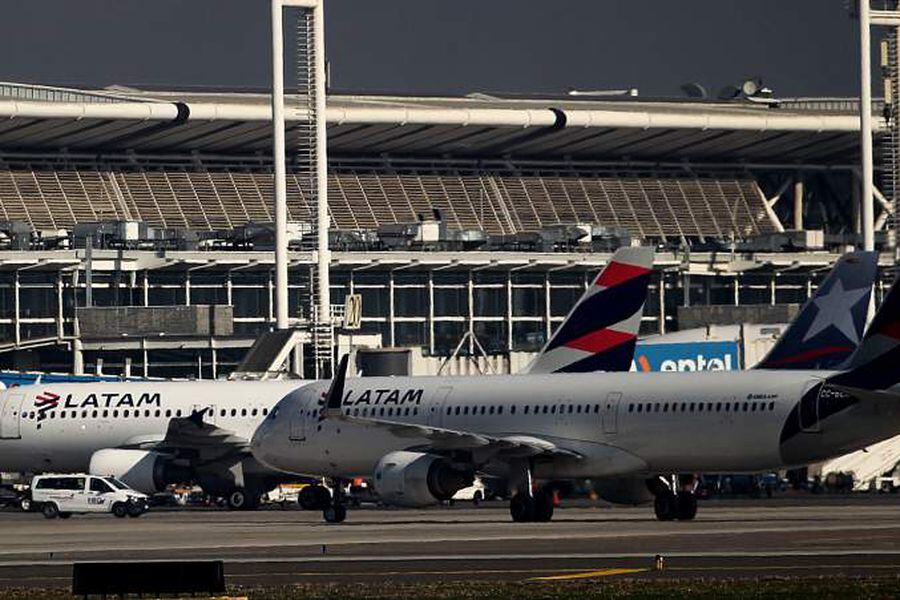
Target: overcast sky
[799, 47]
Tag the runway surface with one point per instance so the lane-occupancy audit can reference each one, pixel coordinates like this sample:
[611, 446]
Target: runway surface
[737, 539]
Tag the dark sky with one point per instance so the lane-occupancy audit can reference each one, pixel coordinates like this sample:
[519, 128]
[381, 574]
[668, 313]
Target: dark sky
[799, 47]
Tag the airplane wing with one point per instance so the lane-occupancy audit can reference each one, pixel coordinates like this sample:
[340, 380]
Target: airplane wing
[444, 440]
[194, 435]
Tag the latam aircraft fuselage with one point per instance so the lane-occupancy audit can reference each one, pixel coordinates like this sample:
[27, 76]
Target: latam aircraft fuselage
[58, 427]
[619, 423]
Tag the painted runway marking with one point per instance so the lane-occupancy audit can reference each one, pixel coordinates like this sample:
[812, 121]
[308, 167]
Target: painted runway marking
[589, 574]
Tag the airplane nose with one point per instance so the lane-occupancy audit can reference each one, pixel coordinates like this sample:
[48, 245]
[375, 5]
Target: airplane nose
[260, 439]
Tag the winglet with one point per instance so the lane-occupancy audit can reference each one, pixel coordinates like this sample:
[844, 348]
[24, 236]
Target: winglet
[197, 416]
[336, 392]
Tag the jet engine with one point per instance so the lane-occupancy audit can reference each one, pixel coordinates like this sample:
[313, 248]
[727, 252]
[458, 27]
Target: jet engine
[624, 490]
[415, 479]
[144, 470]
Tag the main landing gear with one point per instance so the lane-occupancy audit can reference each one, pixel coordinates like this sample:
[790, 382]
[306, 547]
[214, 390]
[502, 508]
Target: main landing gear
[336, 512]
[527, 505]
[674, 498]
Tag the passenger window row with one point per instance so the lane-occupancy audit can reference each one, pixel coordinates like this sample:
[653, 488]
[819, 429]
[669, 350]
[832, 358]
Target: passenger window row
[136, 413]
[708, 407]
[527, 409]
[244, 412]
[381, 411]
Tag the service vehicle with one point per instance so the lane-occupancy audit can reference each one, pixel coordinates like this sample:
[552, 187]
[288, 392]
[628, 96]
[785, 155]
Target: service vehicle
[57, 495]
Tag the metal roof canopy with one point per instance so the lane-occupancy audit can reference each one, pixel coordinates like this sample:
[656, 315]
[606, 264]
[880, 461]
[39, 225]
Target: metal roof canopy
[53, 119]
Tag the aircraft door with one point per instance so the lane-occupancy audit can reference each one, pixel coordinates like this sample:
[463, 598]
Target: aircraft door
[298, 423]
[610, 411]
[439, 406]
[10, 414]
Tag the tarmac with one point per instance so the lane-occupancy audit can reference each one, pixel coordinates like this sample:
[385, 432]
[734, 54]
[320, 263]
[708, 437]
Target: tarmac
[840, 535]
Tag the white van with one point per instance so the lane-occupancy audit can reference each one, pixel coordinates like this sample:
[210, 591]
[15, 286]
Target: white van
[63, 495]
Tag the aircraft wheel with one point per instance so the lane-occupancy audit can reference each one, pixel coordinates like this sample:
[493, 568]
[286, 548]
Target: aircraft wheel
[314, 497]
[543, 506]
[242, 499]
[50, 510]
[665, 506]
[521, 508]
[335, 514]
[686, 506]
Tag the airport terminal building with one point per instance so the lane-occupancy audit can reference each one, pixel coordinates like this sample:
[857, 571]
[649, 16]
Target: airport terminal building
[449, 215]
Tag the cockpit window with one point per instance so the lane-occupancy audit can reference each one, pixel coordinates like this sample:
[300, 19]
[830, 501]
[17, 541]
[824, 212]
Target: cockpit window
[273, 413]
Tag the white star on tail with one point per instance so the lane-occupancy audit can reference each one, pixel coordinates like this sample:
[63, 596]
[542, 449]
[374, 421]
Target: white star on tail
[834, 309]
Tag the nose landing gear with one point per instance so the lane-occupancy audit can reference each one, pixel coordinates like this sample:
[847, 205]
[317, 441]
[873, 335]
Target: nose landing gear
[336, 512]
[674, 498]
[527, 505]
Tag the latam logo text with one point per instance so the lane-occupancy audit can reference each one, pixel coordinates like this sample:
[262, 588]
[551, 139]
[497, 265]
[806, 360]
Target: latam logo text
[383, 396]
[106, 400]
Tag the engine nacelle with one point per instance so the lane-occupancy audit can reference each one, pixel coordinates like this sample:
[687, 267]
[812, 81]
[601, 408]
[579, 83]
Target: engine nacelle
[415, 479]
[624, 490]
[144, 470]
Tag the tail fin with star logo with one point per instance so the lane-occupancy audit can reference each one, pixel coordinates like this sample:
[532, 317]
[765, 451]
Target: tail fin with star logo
[828, 328]
[874, 364]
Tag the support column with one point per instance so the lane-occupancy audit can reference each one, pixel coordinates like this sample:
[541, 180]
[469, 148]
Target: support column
[772, 287]
[17, 324]
[798, 203]
[548, 313]
[430, 312]
[278, 157]
[60, 317]
[662, 302]
[509, 312]
[273, 301]
[867, 209]
[392, 334]
[77, 357]
[470, 322]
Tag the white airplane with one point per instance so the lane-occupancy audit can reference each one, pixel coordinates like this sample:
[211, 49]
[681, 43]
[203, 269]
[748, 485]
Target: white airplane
[421, 439]
[152, 434]
[147, 433]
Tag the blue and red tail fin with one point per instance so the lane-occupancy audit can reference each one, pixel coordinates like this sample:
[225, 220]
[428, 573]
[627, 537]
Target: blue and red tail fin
[600, 332]
[874, 365]
[828, 328]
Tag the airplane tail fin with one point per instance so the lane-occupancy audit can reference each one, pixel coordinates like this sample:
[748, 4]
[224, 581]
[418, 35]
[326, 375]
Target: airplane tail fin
[600, 332]
[828, 328]
[874, 364]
